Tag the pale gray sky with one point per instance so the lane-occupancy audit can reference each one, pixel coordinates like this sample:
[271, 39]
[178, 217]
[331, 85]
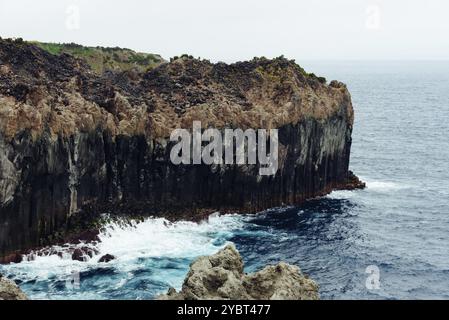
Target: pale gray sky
[231, 30]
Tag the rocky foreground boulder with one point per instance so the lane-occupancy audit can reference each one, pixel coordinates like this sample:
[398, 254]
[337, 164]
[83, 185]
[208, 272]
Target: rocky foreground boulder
[10, 291]
[221, 277]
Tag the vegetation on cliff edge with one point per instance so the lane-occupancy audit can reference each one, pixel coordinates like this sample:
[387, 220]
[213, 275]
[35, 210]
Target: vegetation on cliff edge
[103, 59]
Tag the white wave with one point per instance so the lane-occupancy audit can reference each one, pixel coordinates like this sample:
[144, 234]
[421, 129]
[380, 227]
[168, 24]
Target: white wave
[371, 186]
[152, 238]
[159, 237]
[341, 194]
[384, 186]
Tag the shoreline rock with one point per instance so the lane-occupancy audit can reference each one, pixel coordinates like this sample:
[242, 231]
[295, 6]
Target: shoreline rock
[221, 277]
[10, 291]
[107, 258]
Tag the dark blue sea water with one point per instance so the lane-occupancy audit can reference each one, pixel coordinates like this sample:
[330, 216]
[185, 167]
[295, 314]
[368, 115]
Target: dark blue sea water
[399, 224]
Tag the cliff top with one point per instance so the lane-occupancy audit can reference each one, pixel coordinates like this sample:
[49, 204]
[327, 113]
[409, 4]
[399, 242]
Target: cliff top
[101, 59]
[62, 92]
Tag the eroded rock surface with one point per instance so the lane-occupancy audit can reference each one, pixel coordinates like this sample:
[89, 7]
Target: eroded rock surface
[221, 276]
[10, 291]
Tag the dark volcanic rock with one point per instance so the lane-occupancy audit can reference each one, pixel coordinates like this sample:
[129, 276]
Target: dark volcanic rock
[14, 257]
[74, 144]
[107, 258]
[78, 255]
[83, 253]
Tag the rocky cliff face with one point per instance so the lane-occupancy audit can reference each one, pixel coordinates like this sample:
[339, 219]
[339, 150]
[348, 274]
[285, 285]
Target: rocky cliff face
[221, 277]
[75, 143]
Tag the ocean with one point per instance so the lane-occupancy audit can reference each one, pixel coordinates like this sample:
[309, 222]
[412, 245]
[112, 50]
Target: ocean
[396, 231]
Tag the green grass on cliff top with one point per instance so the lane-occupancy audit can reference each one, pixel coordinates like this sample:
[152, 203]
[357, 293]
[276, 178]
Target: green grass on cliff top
[103, 59]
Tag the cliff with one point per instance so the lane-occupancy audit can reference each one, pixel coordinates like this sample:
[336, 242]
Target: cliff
[75, 143]
[221, 277]
[102, 59]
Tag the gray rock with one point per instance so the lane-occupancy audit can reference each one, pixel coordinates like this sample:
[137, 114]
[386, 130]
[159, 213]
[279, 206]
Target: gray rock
[221, 277]
[10, 291]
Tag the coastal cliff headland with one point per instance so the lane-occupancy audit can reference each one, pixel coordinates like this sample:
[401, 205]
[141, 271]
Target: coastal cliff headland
[78, 139]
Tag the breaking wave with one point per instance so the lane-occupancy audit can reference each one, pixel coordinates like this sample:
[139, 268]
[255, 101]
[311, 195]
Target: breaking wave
[157, 249]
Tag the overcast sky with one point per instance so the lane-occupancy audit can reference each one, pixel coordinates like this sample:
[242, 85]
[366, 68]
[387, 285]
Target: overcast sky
[230, 30]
